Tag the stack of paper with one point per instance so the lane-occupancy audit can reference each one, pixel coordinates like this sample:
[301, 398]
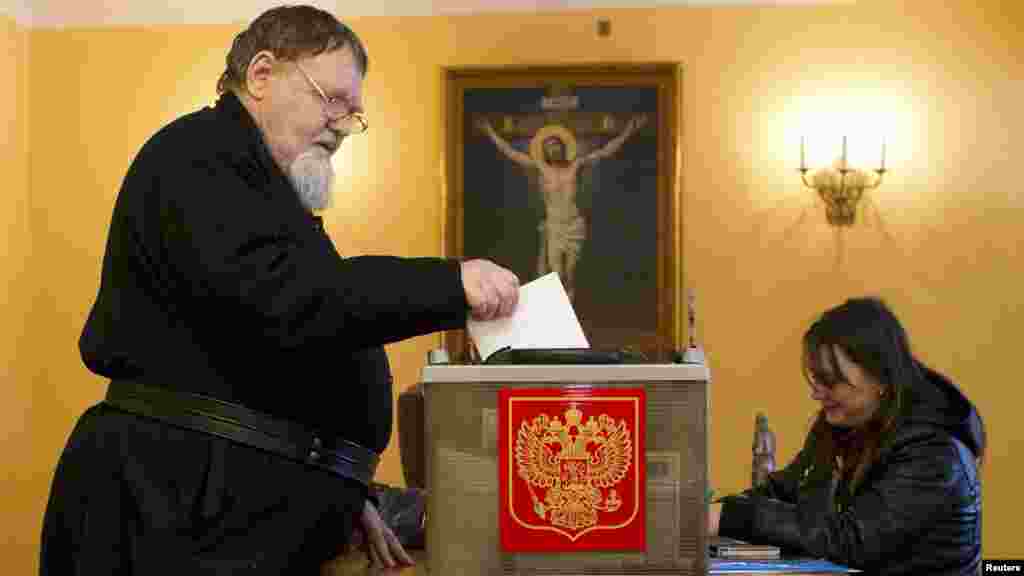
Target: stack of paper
[722, 547]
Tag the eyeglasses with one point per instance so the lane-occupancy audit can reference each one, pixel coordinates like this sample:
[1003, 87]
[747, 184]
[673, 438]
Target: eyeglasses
[338, 110]
[826, 381]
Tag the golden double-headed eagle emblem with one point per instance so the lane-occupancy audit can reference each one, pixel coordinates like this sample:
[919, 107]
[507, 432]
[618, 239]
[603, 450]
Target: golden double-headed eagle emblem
[577, 465]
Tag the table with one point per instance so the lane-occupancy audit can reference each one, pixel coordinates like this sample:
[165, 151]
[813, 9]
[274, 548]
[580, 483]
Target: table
[358, 566]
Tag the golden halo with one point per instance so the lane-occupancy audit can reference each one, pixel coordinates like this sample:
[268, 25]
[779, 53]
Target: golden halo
[558, 131]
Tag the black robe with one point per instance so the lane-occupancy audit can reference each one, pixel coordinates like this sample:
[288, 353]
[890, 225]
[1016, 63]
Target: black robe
[216, 280]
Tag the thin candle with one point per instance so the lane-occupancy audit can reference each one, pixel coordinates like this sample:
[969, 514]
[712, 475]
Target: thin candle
[844, 152]
[883, 154]
[803, 165]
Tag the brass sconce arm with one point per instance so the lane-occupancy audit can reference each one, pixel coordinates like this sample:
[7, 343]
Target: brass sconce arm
[841, 189]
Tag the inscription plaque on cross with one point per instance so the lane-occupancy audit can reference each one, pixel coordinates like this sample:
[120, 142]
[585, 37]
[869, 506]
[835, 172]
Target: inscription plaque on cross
[560, 106]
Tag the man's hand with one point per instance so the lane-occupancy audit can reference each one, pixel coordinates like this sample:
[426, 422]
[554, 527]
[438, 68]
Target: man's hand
[382, 546]
[492, 291]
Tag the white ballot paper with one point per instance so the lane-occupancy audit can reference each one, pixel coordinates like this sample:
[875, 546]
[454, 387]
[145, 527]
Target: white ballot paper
[544, 318]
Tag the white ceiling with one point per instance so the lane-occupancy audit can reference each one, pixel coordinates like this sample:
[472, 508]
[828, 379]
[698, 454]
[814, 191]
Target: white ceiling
[63, 13]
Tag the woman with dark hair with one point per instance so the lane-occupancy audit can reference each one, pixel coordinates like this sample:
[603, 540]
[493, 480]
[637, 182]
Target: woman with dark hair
[887, 480]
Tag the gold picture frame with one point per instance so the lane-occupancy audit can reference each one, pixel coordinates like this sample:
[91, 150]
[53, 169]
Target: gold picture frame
[601, 209]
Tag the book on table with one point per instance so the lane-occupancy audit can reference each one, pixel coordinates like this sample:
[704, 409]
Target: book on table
[722, 547]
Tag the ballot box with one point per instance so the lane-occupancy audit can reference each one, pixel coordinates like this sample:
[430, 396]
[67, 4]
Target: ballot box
[566, 469]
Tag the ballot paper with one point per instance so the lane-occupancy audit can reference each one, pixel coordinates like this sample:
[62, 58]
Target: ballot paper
[543, 318]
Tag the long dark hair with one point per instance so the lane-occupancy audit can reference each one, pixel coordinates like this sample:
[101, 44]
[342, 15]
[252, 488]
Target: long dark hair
[871, 336]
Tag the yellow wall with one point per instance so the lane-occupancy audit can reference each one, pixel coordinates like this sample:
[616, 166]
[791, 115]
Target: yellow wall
[942, 82]
[20, 485]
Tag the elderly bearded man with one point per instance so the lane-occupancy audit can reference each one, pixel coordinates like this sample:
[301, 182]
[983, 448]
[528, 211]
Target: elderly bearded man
[250, 394]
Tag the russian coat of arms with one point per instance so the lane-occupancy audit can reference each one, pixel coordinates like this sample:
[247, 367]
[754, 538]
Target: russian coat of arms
[571, 472]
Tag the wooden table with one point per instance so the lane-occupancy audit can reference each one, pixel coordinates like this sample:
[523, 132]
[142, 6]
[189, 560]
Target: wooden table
[358, 566]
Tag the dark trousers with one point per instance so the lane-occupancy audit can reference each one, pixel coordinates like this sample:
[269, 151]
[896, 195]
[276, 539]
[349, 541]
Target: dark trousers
[132, 496]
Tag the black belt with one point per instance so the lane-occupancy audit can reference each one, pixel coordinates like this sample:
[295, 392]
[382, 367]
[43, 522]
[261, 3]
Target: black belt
[245, 426]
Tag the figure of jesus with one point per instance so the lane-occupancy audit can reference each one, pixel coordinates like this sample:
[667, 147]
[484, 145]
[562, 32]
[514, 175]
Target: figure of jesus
[553, 154]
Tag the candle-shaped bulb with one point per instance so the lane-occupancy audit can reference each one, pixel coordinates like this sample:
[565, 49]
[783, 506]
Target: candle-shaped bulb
[803, 164]
[883, 154]
[844, 152]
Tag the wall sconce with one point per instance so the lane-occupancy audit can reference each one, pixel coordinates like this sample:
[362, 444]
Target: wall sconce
[841, 187]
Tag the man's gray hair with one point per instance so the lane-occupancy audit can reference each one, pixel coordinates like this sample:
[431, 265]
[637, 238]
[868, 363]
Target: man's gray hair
[290, 33]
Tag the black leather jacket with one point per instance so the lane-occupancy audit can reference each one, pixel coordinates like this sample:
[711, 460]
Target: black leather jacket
[917, 510]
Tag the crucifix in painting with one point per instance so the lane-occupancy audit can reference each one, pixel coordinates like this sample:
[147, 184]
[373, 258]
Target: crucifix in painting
[567, 171]
[553, 153]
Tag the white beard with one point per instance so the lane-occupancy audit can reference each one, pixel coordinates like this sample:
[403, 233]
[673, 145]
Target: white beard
[312, 175]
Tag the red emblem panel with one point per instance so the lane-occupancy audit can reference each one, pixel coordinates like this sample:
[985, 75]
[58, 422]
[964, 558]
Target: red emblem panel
[571, 469]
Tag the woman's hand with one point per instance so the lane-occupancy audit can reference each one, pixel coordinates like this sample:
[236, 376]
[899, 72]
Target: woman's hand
[714, 514]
